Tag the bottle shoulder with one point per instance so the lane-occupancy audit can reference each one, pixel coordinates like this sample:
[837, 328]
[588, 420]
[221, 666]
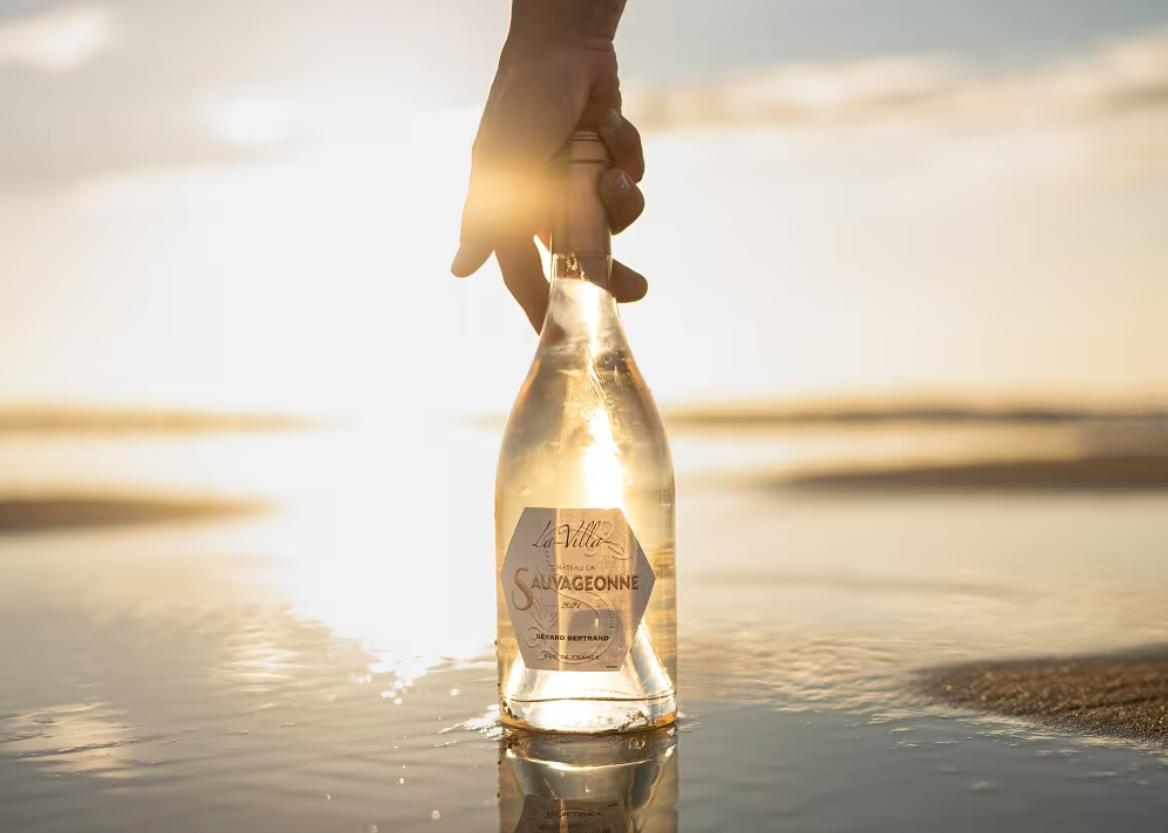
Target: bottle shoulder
[570, 402]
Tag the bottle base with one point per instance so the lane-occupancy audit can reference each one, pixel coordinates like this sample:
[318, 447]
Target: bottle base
[590, 716]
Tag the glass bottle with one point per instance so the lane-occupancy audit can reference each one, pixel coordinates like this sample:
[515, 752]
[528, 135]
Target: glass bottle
[584, 502]
[583, 784]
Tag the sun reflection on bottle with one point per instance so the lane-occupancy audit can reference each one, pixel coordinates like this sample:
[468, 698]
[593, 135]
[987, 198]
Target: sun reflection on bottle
[604, 473]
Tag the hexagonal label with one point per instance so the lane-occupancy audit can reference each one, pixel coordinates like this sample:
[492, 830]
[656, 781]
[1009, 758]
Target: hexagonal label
[576, 583]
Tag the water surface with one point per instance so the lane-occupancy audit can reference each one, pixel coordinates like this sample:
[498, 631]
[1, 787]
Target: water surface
[327, 666]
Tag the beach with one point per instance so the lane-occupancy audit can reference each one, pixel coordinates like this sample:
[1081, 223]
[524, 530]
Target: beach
[291, 630]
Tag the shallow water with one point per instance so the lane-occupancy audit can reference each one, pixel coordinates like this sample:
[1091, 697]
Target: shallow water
[327, 667]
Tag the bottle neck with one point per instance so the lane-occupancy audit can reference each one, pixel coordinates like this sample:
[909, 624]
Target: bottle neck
[581, 240]
[582, 314]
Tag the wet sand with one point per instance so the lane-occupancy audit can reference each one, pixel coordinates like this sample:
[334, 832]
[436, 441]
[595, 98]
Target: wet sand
[27, 515]
[1120, 695]
[1113, 473]
[138, 423]
[906, 413]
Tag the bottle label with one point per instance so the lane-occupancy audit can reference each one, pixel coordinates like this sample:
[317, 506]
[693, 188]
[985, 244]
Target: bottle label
[577, 583]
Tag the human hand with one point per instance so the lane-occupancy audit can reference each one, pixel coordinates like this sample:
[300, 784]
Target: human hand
[550, 81]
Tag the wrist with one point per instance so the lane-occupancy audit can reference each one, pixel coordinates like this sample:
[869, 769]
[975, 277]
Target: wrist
[564, 22]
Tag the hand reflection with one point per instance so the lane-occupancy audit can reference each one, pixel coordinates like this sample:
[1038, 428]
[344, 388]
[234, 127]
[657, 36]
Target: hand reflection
[574, 784]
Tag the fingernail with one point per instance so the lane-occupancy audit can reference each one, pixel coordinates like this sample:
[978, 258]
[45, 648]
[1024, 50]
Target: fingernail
[613, 122]
[619, 181]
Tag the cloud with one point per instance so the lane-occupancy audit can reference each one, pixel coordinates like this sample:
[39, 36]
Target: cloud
[255, 120]
[56, 40]
[1120, 77]
[222, 81]
[173, 83]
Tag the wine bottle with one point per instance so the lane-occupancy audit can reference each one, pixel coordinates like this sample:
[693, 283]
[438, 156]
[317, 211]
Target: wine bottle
[587, 783]
[584, 501]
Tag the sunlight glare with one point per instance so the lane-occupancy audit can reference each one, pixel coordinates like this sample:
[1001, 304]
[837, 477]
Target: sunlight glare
[604, 474]
[256, 120]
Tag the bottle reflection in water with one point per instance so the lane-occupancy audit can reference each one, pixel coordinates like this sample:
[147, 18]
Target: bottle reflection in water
[585, 503]
[581, 784]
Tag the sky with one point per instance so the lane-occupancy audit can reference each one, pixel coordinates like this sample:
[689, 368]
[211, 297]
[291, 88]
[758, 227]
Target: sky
[253, 204]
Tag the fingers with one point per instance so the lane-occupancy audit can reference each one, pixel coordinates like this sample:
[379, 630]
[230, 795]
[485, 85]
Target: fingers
[624, 143]
[534, 103]
[618, 187]
[605, 96]
[469, 259]
[522, 268]
[523, 273]
[526, 117]
[500, 204]
[626, 285]
[622, 199]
